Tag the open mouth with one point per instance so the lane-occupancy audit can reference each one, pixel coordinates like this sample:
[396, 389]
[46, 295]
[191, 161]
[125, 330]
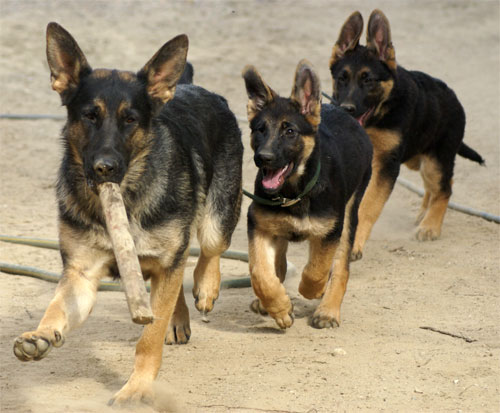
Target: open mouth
[273, 179]
[364, 117]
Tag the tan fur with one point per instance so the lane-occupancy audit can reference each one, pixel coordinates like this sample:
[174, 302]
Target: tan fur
[309, 143]
[383, 140]
[378, 190]
[206, 281]
[126, 75]
[329, 308]
[386, 87]
[103, 109]
[101, 73]
[262, 253]
[317, 270]
[165, 289]
[435, 201]
[414, 163]
[284, 225]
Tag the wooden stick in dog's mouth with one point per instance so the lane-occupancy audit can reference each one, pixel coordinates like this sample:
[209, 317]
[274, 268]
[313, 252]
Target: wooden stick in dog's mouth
[125, 253]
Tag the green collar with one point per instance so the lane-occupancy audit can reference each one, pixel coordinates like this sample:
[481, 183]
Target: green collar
[281, 200]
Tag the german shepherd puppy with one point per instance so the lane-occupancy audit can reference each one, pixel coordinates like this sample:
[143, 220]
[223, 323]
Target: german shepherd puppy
[411, 118]
[314, 165]
[176, 152]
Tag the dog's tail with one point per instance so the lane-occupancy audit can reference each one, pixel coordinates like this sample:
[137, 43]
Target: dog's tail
[187, 75]
[469, 153]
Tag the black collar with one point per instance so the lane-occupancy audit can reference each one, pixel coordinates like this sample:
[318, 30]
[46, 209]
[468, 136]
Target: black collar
[281, 200]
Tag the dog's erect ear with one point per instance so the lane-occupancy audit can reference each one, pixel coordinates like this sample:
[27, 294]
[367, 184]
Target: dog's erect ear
[378, 38]
[67, 62]
[165, 68]
[348, 37]
[307, 92]
[259, 93]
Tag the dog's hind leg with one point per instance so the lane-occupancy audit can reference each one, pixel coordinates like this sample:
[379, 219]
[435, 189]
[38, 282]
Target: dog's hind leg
[207, 278]
[216, 226]
[376, 195]
[179, 329]
[165, 288]
[74, 299]
[207, 271]
[437, 192]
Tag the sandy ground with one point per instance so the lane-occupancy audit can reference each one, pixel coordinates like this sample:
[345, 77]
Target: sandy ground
[241, 362]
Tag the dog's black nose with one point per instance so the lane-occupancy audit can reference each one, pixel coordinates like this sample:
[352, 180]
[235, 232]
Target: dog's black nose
[105, 166]
[263, 157]
[348, 107]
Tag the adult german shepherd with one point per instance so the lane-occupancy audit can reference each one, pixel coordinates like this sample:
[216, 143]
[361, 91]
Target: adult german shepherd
[314, 165]
[176, 152]
[411, 118]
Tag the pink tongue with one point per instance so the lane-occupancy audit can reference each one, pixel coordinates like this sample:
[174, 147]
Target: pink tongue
[272, 179]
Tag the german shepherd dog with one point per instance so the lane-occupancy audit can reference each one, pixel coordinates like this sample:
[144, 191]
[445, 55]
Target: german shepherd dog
[314, 165]
[411, 118]
[176, 152]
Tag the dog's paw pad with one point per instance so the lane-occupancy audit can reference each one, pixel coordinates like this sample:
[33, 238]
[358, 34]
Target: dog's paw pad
[31, 346]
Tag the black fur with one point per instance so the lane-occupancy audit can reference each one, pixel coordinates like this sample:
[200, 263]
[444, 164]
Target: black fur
[411, 118]
[344, 151]
[290, 138]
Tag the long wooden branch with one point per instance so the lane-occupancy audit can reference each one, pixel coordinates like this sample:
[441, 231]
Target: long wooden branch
[125, 253]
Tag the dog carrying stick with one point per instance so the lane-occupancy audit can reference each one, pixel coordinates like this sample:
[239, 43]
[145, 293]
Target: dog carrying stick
[125, 253]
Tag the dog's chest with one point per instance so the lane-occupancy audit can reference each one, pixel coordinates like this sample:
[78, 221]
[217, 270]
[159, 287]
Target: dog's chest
[294, 228]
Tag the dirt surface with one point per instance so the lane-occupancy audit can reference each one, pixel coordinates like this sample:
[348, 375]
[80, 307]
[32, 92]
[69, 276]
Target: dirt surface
[380, 358]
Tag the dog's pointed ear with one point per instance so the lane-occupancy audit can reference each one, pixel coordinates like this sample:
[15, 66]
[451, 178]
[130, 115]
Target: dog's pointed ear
[306, 92]
[378, 38]
[259, 93]
[66, 61]
[165, 68]
[349, 36]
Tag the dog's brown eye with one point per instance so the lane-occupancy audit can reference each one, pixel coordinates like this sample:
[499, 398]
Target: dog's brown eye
[130, 119]
[290, 132]
[91, 116]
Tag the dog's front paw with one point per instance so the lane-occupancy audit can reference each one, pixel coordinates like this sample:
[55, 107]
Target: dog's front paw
[35, 345]
[325, 318]
[356, 255]
[134, 391]
[204, 298]
[257, 307]
[425, 233]
[284, 320]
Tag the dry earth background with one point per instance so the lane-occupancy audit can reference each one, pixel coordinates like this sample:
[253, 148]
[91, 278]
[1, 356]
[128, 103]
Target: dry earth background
[241, 362]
